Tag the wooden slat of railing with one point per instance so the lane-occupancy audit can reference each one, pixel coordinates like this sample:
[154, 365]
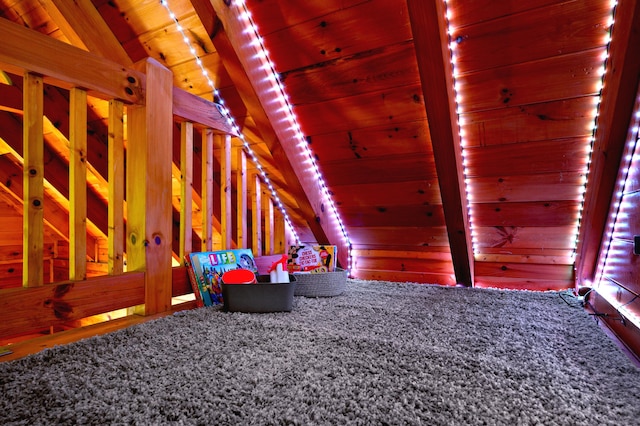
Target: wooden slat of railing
[116, 188]
[207, 189]
[186, 189]
[256, 216]
[27, 310]
[77, 184]
[268, 225]
[33, 152]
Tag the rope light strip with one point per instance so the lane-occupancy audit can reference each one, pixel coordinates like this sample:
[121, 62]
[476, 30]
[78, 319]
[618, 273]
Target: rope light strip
[231, 121]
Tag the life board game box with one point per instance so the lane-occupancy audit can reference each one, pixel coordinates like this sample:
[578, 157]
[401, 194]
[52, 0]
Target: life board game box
[312, 258]
[206, 268]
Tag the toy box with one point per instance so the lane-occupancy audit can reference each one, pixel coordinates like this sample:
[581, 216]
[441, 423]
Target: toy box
[312, 258]
[206, 268]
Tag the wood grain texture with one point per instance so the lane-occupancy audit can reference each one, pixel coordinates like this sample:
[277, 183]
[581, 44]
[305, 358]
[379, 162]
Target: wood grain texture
[26, 310]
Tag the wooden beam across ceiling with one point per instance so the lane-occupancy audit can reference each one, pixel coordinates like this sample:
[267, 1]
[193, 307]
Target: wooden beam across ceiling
[432, 48]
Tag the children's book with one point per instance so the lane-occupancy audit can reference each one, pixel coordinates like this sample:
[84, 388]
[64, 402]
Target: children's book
[206, 269]
[312, 258]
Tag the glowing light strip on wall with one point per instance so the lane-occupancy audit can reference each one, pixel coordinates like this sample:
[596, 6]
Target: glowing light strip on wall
[459, 111]
[463, 143]
[283, 99]
[599, 88]
[631, 158]
[232, 122]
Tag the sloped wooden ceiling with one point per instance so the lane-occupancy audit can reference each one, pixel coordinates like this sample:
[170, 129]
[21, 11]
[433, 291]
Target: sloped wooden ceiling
[372, 85]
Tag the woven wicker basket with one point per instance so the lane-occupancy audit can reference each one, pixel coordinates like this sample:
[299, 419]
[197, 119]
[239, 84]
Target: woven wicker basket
[321, 285]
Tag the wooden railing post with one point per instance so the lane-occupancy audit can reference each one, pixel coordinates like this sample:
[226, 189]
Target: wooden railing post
[241, 191]
[268, 225]
[148, 187]
[33, 153]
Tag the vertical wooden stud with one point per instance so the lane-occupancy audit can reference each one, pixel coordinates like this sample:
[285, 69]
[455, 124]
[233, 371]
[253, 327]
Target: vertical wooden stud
[115, 210]
[207, 189]
[77, 184]
[186, 189]
[226, 212]
[256, 215]
[148, 187]
[279, 237]
[268, 224]
[241, 190]
[33, 153]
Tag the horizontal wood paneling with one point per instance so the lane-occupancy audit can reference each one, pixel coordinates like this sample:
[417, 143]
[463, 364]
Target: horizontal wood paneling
[425, 191]
[400, 216]
[510, 237]
[380, 169]
[401, 139]
[628, 223]
[467, 13]
[402, 276]
[622, 266]
[566, 186]
[27, 310]
[331, 36]
[539, 214]
[361, 237]
[529, 123]
[562, 77]
[277, 14]
[362, 72]
[408, 264]
[563, 155]
[391, 107]
[563, 28]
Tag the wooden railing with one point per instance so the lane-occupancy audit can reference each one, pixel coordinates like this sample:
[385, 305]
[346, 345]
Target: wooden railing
[142, 236]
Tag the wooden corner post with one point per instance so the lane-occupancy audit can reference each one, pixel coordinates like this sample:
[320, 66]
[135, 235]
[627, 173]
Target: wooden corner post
[148, 187]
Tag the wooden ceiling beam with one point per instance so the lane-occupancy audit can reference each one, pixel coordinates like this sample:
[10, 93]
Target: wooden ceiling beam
[432, 50]
[233, 45]
[83, 25]
[67, 66]
[616, 109]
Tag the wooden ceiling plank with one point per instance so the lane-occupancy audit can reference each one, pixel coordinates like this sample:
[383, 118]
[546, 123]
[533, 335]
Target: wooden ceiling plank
[432, 46]
[618, 98]
[234, 46]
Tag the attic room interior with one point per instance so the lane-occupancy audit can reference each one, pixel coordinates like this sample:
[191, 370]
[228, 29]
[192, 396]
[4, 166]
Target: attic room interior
[461, 143]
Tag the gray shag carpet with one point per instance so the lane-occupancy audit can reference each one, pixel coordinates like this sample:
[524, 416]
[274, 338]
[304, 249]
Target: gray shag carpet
[381, 353]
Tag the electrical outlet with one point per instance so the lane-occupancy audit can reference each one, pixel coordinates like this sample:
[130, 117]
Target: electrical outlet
[636, 244]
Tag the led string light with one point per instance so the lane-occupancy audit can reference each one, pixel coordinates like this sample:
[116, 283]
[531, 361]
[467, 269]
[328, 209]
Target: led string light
[463, 144]
[631, 158]
[231, 121]
[460, 122]
[287, 108]
[600, 87]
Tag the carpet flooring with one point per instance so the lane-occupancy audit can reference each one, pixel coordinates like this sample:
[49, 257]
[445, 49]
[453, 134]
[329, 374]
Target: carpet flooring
[379, 354]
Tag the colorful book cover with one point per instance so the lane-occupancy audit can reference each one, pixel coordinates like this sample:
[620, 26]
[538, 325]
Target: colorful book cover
[208, 267]
[312, 258]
